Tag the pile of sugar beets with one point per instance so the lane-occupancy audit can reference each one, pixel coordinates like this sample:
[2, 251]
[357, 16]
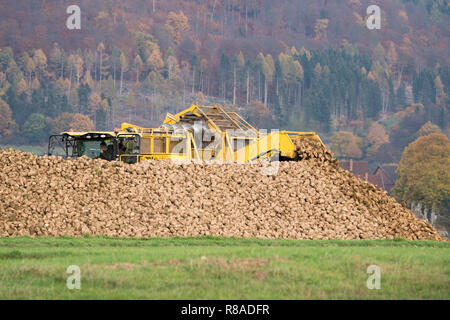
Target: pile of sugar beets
[308, 199]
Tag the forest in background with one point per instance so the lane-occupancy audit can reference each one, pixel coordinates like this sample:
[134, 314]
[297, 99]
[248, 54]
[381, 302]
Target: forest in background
[299, 65]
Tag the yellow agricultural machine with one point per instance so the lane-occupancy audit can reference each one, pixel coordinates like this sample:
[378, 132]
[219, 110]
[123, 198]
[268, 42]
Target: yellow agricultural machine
[207, 133]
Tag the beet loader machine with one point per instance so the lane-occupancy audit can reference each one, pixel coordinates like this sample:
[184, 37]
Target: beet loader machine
[206, 133]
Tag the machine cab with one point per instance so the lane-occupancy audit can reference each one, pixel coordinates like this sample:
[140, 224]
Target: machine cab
[108, 146]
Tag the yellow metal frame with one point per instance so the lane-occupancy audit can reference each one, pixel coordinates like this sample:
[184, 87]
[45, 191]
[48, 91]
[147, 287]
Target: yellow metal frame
[256, 145]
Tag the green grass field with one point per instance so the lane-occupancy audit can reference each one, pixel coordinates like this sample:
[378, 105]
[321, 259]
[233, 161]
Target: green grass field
[214, 268]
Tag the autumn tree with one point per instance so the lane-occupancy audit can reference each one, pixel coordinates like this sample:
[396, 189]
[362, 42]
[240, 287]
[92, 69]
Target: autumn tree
[268, 71]
[376, 136]
[7, 124]
[6, 56]
[137, 64]
[298, 75]
[61, 123]
[406, 55]
[97, 105]
[440, 92]
[28, 66]
[424, 173]
[71, 121]
[292, 73]
[346, 144]
[320, 29]
[103, 21]
[96, 102]
[13, 72]
[238, 65]
[40, 61]
[318, 70]
[22, 87]
[199, 99]
[172, 67]
[145, 44]
[427, 129]
[177, 24]
[56, 61]
[392, 60]
[155, 61]
[260, 65]
[35, 84]
[4, 84]
[82, 123]
[35, 128]
[76, 64]
[149, 52]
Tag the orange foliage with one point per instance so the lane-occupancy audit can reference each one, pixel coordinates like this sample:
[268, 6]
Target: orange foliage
[7, 124]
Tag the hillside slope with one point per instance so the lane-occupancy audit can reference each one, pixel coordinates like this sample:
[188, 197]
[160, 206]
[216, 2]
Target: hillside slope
[252, 26]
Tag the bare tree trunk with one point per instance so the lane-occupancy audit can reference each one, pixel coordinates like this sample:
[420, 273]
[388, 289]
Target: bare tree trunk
[265, 92]
[214, 7]
[121, 81]
[246, 18]
[234, 85]
[62, 66]
[251, 92]
[70, 81]
[196, 23]
[95, 66]
[300, 94]
[289, 94]
[101, 66]
[248, 85]
[259, 86]
[193, 80]
[400, 76]
[184, 92]
[114, 76]
[202, 81]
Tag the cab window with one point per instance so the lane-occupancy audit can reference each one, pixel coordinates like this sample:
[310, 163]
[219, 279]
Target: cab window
[129, 144]
[91, 148]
